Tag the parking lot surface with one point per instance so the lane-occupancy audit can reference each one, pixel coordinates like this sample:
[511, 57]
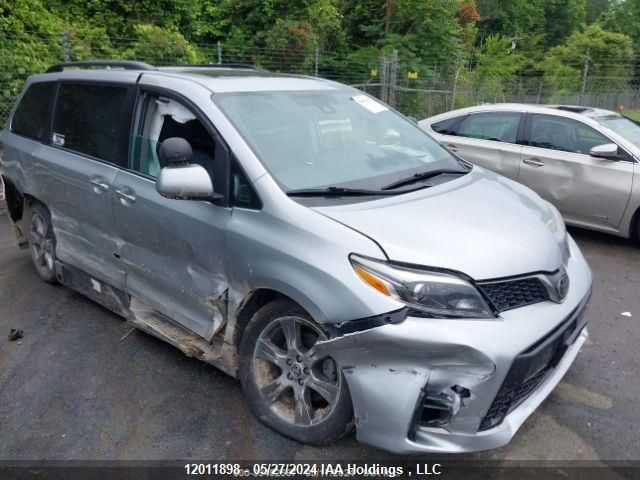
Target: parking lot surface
[82, 385]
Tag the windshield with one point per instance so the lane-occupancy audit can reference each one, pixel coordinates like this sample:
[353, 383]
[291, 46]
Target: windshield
[624, 127]
[315, 139]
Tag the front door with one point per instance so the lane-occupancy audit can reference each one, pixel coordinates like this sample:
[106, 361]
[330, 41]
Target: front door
[173, 251]
[556, 164]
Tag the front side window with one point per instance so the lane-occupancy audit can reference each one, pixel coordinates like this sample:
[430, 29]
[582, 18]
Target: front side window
[496, 126]
[626, 128]
[161, 118]
[564, 134]
[319, 138]
[89, 119]
[32, 115]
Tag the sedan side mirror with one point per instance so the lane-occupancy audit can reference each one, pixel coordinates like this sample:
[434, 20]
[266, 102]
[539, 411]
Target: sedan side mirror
[608, 151]
[180, 180]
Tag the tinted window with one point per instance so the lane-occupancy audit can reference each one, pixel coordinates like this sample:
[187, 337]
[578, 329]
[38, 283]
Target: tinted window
[446, 127]
[31, 117]
[564, 134]
[89, 119]
[500, 127]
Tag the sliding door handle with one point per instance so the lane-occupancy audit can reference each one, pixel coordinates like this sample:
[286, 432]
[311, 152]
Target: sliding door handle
[534, 162]
[126, 194]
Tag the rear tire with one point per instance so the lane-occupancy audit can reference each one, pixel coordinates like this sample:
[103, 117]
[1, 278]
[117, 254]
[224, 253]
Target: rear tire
[42, 242]
[298, 394]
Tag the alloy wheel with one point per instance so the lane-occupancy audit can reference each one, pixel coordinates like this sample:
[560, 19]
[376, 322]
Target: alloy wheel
[41, 243]
[298, 383]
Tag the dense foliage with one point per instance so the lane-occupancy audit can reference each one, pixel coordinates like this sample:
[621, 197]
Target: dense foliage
[479, 41]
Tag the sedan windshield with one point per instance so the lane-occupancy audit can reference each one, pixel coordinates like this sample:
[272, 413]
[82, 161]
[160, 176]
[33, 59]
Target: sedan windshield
[332, 138]
[626, 128]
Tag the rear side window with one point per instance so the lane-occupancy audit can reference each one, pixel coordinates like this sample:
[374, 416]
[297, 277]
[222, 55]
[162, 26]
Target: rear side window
[447, 126]
[89, 119]
[32, 115]
[499, 127]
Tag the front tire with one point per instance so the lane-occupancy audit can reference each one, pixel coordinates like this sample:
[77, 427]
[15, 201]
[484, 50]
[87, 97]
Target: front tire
[42, 243]
[290, 386]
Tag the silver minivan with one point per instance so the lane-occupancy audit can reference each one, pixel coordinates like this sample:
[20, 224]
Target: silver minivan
[304, 238]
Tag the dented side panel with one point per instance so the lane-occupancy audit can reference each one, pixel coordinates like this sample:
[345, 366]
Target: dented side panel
[174, 254]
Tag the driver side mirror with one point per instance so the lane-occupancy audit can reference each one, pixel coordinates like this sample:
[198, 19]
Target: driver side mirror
[608, 151]
[180, 180]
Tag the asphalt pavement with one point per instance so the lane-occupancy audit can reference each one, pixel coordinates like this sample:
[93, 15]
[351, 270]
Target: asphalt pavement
[82, 385]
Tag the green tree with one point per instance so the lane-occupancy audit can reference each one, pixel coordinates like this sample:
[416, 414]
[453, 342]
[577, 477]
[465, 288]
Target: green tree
[595, 9]
[609, 55]
[423, 31]
[540, 24]
[160, 46]
[624, 17]
[494, 75]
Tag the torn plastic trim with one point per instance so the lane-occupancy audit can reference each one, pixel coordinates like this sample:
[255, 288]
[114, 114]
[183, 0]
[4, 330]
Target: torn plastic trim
[447, 403]
[367, 323]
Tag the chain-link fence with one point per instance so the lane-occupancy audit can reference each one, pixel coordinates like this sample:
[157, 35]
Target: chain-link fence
[422, 90]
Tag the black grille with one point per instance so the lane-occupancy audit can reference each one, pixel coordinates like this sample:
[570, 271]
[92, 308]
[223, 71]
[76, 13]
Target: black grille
[531, 367]
[515, 293]
[503, 404]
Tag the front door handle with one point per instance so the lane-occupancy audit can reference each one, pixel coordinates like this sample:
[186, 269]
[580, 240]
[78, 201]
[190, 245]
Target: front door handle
[452, 147]
[126, 194]
[534, 162]
[99, 185]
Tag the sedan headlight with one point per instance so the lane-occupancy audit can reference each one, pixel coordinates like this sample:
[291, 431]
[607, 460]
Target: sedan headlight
[436, 293]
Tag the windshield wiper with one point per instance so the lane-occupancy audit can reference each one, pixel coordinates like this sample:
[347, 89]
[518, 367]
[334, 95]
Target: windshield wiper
[334, 192]
[419, 177]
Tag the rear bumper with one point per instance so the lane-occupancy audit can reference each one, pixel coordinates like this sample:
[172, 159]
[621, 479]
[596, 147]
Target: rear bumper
[391, 369]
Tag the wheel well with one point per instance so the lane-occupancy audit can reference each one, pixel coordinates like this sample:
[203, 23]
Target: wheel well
[635, 225]
[14, 199]
[257, 299]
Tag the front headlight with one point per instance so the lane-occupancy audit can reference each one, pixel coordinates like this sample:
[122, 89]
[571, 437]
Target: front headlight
[435, 293]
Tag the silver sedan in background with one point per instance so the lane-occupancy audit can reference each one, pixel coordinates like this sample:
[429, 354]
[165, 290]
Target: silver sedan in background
[583, 160]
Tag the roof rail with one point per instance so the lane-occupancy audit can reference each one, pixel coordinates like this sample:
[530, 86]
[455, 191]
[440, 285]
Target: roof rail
[124, 64]
[246, 66]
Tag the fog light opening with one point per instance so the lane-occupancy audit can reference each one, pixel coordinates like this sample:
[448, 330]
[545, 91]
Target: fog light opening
[439, 408]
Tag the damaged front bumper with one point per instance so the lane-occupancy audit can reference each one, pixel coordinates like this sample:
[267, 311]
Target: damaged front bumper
[445, 385]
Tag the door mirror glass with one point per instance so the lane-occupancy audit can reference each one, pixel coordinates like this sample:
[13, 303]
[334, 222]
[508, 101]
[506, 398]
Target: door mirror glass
[184, 182]
[608, 150]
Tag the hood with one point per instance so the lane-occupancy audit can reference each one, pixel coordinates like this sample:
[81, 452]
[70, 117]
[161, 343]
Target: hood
[482, 224]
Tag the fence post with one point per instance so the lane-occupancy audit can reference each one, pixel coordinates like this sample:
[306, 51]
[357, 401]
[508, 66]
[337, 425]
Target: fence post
[65, 46]
[455, 85]
[539, 101]
[219, 53]
[384, 65]
[585, 76]
[393, 78]
[316, 57]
